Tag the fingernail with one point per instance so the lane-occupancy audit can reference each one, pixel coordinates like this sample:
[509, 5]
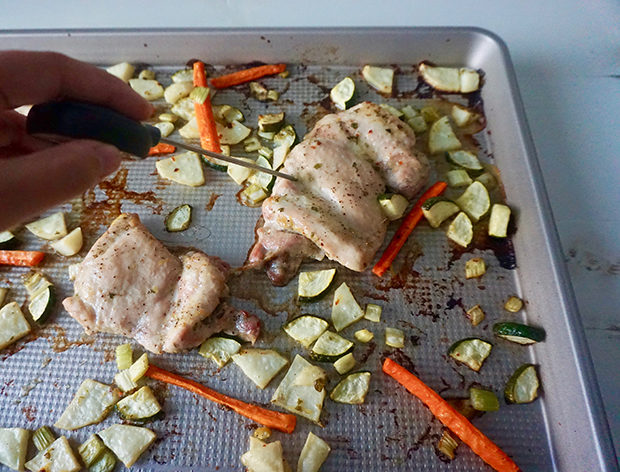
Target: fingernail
[109, 158]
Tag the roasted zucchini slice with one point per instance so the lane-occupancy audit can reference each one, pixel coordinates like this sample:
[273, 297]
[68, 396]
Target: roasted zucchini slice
[13, 324]
[58, 456]
[179, 219]
[302, 390]
[461, 231]
[13, 447]
[260, 365]
[41, 296]
[483, 400]
[329, 347]
[51, 227]
[458, 178]
[123, 71]
[139, 407]
[148, 89]
[476, 315]
[498, 222]
[513, 304]
[379, 78]
[522, 387]
[70, 244]
[183, 75]
[475, 267]
[91, 404]
[313, 454]
[219, 349]
[271, 122]
[364, 336]
[8, 240]
[312, 285]
[450, 79]
[475, 201]
[306, 329]
[352, 389]
[519, 333]
[345, 309]
[184, 169]
[470, 351]
[342, 93]
[345, 363]
[127, 442]
[438, 209]
[465, 159]
[373, 312]
[393, 205]
[441, 137]
[394, 337]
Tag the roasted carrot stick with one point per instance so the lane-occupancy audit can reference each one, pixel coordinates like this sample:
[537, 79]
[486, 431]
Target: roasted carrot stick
[21, 258]
[161, 148]
[246, 75]
[451, 418]
[209, 139]
[402, 233]
[281, 421]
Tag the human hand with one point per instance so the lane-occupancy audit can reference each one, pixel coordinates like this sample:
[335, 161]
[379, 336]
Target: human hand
[34, 174]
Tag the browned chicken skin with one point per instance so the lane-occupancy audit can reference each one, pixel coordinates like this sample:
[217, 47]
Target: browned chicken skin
[332, 210]
[130, 284]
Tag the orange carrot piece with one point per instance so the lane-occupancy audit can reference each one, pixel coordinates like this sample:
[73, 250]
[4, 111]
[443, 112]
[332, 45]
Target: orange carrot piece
[161, 148]
[451, 418]
[209, 139]
[21, 258]
[402, 233]
[247, 75]
[273, 419]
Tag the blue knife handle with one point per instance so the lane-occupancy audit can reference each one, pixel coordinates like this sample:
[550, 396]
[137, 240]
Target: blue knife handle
[78, 120]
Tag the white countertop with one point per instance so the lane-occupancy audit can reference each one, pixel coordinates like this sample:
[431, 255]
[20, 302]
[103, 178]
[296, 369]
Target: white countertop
[566, 56]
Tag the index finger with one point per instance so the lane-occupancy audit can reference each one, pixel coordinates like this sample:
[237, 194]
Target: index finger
[28, 78]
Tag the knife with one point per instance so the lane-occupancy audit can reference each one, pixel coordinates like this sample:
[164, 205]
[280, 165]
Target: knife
[79, 120]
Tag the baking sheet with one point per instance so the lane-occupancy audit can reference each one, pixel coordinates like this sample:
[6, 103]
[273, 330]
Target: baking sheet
[426, 297]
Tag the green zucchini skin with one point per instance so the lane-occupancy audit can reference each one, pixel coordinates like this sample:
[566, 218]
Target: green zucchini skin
[49, 307]
[519, 333]
[8, 240]
[515, 384]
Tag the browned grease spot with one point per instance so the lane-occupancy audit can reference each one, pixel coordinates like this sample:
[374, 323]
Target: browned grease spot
[18, 346]
[109, 355]
[404, 277]
[95, 214]
[161, 391]
[59, 341]
[252, 285]
[212, 199]
[29, 412]
[6, 384]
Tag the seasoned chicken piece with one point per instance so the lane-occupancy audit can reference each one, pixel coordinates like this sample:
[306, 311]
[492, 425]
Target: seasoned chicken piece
[130, 284]
[332, 210]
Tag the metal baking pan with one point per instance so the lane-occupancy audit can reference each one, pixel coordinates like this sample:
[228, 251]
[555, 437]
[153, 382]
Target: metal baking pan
[564, 429]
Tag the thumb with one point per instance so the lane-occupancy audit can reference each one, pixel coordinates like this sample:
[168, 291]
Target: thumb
[33, 183]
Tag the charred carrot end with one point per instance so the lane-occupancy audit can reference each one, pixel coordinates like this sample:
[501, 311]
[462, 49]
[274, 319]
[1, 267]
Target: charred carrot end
[247, 75]
[21, 258]
[402, 233]
[281, 421]
[486, 449]
[161, 149]
[209, 139]
[200, 75]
